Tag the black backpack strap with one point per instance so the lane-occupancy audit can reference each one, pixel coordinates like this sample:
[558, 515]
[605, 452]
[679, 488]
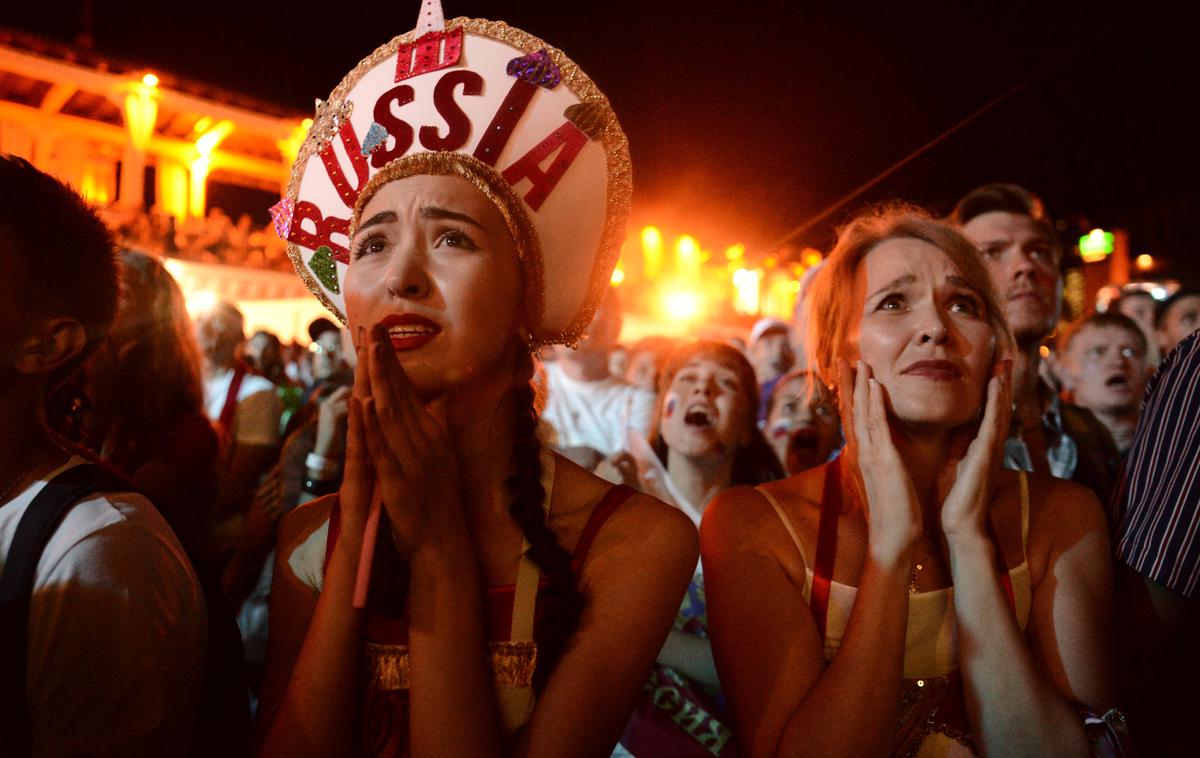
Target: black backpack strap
[34, 530]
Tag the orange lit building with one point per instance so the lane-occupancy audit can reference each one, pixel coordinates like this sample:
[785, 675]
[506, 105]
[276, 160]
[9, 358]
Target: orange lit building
[138, 143]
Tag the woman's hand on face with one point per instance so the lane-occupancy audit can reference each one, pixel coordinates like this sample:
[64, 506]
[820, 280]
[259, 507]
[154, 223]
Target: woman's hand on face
[416, 472]
[358, 476]
[892, 509]
[969, 475]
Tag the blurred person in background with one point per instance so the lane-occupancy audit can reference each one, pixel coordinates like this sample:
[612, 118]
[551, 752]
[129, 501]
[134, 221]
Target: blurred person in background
[1176, 318]
[1138, 305]
[618, 361]
[588, 409]
[327, 356]
[264, 355]
[1102, 363]
[770, 353]
[245, 411]
[802, 422]
[646, 359]
[147, 404]
[1017, 243]
[705, 440]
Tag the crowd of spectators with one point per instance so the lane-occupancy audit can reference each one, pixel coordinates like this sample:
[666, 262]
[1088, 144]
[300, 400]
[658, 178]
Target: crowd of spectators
[214, 238]
[227, 432]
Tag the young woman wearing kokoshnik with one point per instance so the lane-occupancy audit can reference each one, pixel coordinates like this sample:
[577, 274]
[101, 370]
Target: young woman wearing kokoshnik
[461, 260]
[910, 598]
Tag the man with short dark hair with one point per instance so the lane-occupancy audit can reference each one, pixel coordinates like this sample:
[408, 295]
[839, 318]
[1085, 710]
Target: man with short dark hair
[1018, 245]
[106, 657]
[1176, 318]
[1103, 367]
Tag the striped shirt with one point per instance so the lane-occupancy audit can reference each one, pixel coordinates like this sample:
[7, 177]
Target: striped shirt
[1158, 502]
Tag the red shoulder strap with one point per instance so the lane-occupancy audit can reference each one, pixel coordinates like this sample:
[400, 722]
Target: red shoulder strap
[605, 508]
[225, 420]
[1002, 568]
[831, 506]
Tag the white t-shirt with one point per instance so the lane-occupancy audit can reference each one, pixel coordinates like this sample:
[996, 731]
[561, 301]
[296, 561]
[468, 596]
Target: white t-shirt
[595, 414]
[117, 630]
[256, 420]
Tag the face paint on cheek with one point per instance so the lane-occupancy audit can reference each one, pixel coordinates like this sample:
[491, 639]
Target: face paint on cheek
[671, 404]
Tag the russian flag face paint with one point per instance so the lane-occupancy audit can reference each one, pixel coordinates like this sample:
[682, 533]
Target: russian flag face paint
[671, 405]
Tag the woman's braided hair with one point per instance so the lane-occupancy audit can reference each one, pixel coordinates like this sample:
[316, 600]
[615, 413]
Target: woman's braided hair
[561, 602]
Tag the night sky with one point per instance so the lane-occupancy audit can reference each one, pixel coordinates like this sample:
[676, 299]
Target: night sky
[747, 120]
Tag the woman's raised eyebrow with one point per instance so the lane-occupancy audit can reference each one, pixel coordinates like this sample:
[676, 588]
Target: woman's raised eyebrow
[438, 213]
[383, 217]
[899, 281]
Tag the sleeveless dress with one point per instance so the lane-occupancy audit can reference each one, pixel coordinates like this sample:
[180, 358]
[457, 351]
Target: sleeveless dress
[510, 614]
[933, 711]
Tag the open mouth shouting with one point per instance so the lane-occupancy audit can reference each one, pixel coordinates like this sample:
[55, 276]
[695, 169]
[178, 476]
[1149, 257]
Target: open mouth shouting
[700, 416]
[1119, 382]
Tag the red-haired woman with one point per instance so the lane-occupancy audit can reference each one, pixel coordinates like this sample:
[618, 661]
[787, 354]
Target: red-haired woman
[909, 598]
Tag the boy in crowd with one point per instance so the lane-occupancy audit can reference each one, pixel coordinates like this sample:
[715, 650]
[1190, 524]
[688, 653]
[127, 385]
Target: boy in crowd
[1103, 367]
[102, 652]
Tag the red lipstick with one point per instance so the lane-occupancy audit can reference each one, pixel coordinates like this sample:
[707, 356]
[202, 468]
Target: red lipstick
[408, 331]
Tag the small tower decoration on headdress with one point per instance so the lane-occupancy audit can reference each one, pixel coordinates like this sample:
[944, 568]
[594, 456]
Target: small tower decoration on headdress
[434, 49]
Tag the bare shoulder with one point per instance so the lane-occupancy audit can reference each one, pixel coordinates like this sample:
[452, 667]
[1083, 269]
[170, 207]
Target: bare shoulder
[298, 525]
[643, 530]
[1063, 515]
[743, 519]
[1062, 506]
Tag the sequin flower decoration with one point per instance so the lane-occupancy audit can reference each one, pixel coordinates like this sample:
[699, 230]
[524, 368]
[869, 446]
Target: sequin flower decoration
[536, 68]
[328, 120]
[281, 216]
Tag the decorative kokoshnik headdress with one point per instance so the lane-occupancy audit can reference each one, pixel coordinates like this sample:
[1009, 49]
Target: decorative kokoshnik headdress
[493, 105]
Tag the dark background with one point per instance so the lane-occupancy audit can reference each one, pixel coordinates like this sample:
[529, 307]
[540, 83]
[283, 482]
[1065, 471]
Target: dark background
[749, 120]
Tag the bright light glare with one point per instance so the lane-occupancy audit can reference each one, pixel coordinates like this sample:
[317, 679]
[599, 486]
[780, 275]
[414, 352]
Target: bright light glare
[1145, 262]
[1158, 293]
[618, 276]
[652, 252]
[735, 252]
[687, 257]
[682, 306]
[150, 80]
[201, 301]
[747, 288]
